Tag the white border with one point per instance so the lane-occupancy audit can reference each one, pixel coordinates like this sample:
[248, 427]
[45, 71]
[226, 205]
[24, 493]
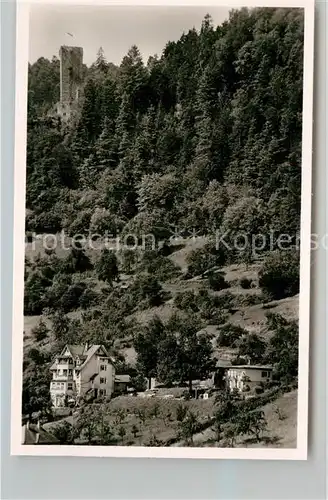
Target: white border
[299, 453]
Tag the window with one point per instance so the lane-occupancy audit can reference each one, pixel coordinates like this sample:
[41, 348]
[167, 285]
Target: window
[265, 374]
[103, 360]
[69, 386]
[65, 372]
[103, 367]
[70, 372]
[102, 392]
[102, 380]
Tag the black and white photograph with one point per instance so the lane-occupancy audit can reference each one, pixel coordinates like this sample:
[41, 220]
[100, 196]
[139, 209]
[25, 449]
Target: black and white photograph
[163, 281]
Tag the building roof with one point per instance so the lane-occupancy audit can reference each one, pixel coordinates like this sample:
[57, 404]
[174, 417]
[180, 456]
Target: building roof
[250, 367]
[123, 378]
[76, 350]
[79, 351]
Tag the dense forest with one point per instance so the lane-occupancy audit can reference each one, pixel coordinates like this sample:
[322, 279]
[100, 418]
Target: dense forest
[205, 137]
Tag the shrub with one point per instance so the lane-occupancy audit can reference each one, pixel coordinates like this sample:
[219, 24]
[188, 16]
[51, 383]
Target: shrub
[88, 298]
[76, 262]
[280, 274]
[158, 265]
[102, 220]
[146, 291]
[229, 334]
[206, 305]
[107, 266]
[226, 300]
[204, 259]
[40, 331]
[186, 301]
[70, 300]
[245, 283]
[217, 282]
[81, 223]
[47, 222]
[258, 389]
[34, 297]
[252, 346]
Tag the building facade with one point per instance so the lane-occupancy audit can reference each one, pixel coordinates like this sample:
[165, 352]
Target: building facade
[246, 377]
[80, 371]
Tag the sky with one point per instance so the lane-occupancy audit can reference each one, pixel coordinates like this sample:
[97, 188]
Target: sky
[115, 29]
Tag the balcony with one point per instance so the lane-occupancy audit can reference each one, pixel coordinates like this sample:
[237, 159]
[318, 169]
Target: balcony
[62, 377]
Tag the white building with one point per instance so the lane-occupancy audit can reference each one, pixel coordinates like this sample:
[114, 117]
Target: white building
[79, 371]
[243, 376]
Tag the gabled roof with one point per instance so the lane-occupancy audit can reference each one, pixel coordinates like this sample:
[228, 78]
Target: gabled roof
[78, 351]
[91, 351]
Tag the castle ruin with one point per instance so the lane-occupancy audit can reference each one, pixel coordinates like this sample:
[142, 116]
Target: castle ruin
[71, 79]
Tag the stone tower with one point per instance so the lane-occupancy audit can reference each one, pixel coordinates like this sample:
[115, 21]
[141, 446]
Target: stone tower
[71, 79]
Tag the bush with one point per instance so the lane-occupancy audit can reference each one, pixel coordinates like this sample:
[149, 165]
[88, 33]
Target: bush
[107, 266]
[40, 331]
[70, 300]
[217, 282]
[47, 222]
[280, 274]
[34, 297]
[88, 298]
[102, 220]
[81, 223]
[245, 283]
[229, 334]
[146, 291]
[76, 262]
[186, 301]
[204, 259]
[258, 389]
[208, 306]
[158, 265]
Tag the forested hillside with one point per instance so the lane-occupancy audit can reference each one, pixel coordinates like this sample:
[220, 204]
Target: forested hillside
[206, 135]
[204, 139]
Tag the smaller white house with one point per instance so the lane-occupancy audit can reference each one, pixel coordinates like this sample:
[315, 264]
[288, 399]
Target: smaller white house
[244, 377]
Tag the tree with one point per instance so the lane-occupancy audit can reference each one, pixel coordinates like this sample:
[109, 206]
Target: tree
[122, 433]
[229, 334]
[40, 331]
[107, 266]
[134, 431]
[36, 394]
[253, 346]
[194, 351]
[146, 344]
[280, 274]
[252, 422]
[129, 259]
[146, 290]
[204, 259]
[283, 347]
[157, 191]
[188, 427]
[65, 432]
[77, 260]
